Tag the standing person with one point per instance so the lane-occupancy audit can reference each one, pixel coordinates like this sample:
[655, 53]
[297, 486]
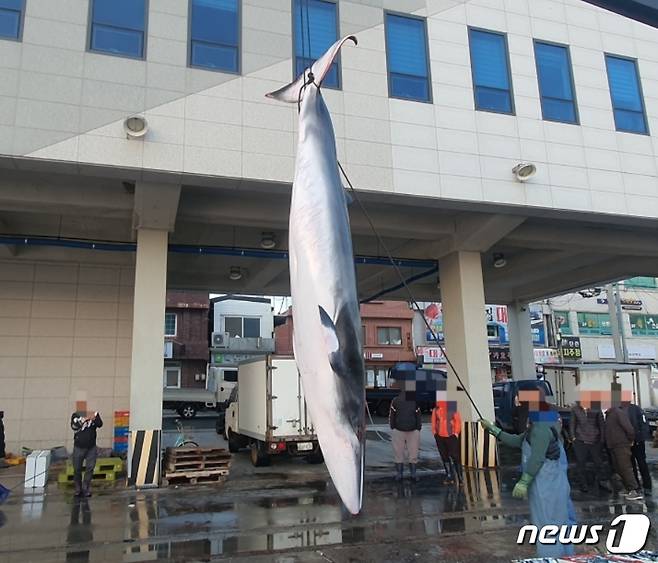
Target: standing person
[519, 415]
[544, 464]
[84, 450]
[446, 428]
[405, 421]
[642, 434]
[3, 453]
[619, 437]
[586, 432]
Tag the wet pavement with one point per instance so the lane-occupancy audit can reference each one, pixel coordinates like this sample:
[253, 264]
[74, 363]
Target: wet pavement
[288, 512]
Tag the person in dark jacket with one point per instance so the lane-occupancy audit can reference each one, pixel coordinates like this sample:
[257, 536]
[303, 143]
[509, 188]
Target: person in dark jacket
[642, 434]
[405, 421]
[586, 432]
[84, 450]
[3, 453]
[619, 437]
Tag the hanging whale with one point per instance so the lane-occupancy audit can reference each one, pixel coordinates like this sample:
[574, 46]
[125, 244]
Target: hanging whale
[325, 307]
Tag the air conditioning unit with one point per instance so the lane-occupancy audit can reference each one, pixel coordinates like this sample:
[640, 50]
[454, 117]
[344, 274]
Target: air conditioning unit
[220, 339]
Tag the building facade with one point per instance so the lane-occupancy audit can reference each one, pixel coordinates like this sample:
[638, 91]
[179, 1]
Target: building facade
[145, 124]
[186, 339]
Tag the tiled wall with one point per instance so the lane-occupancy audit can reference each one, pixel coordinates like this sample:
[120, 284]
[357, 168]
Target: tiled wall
[213, 123]
[65, 335]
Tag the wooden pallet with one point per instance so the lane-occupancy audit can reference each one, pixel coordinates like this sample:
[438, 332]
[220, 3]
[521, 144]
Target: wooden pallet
[195, 477]
[196, 465]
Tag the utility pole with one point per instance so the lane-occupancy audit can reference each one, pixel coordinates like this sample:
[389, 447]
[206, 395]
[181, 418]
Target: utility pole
[615, 312]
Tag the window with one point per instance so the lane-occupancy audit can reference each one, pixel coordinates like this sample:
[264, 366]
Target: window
[170, 324]
[11, 18]
[558, 102]
[251, 328]
[118, 27]
[316, 29]
[215, 35]
[172, 377]
[644, 325]
[594, 323]
[389, 336]
[562, 322]
[492, 331]
[641, 281]
[244, 328]
[626, 94]
[231, 375]
[406, 56]
[490, 69]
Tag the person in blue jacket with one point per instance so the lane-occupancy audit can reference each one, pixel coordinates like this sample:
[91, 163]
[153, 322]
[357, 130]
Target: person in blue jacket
[544, 465]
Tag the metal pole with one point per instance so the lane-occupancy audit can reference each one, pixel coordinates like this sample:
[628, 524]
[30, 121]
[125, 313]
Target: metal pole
[620, 325]
[614, 323]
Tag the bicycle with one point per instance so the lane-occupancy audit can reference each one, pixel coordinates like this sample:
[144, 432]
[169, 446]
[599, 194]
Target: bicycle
[183, 440]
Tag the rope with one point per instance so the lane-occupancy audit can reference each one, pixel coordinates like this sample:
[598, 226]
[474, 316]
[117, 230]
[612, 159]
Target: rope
[406, 287]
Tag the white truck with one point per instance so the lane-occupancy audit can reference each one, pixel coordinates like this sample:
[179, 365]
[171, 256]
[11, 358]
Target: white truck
[568, 380]
[267, 412]
[188, 401]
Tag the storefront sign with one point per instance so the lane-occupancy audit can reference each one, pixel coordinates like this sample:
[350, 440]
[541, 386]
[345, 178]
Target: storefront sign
[628, 304]
[498, 355]
[431, 354]
[571, 350]
[547, 356]
[376, 356]
[232, 359]
[635, 352]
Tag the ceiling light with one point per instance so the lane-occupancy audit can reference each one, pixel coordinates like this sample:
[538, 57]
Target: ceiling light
[235, 273]
[135, 126]
[499, 261]
[524, 171]
[268, 241]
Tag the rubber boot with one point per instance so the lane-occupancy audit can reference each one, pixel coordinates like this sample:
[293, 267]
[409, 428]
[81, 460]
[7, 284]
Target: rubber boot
[450, 478]
[460, 473]
[412, 472]
[398, 471]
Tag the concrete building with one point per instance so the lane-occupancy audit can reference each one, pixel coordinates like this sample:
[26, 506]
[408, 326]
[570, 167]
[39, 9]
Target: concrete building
[243, 327]
[387, 338]
[149, 129]
[588, 317]
[186, 339]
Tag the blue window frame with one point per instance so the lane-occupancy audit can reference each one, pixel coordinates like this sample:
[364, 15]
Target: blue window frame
[406, 56]
[492, 83]
[215, 34]
[316, 29]
[118, 27]
[11, 18]
[558, 100]
[626, 94]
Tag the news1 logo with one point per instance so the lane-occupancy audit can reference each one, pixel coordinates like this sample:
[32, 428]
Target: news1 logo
[626, 534]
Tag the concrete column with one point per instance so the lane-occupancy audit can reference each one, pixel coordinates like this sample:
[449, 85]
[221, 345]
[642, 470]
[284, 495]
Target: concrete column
[148, 330]
[464, 326]
[520, 341]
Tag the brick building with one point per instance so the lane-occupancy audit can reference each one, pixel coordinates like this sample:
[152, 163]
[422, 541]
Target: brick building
[186, 338]
[386, 337]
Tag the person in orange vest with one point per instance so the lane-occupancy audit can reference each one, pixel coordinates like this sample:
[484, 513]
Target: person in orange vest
[446, 427]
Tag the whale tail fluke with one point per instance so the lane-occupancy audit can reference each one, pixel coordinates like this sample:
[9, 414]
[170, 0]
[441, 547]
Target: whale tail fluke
[293, 93]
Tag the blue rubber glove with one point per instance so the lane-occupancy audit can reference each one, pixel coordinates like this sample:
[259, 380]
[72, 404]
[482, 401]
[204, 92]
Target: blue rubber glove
[490, 427]
[521, 488]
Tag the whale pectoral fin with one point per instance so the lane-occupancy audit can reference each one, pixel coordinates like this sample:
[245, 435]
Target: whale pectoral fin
[290, 93]
[329, 332]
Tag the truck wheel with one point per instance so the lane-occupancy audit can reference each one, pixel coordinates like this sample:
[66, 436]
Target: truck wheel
[383, 408]
[316, 457]
[233, 442]
[259, 457]
[187, 411]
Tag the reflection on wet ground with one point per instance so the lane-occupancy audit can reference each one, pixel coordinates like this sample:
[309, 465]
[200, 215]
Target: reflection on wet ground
[286, 516]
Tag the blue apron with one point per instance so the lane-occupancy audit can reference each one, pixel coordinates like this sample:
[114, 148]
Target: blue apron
[550, 499]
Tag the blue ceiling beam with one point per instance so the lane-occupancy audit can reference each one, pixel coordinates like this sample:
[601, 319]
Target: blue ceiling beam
[645, 11]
